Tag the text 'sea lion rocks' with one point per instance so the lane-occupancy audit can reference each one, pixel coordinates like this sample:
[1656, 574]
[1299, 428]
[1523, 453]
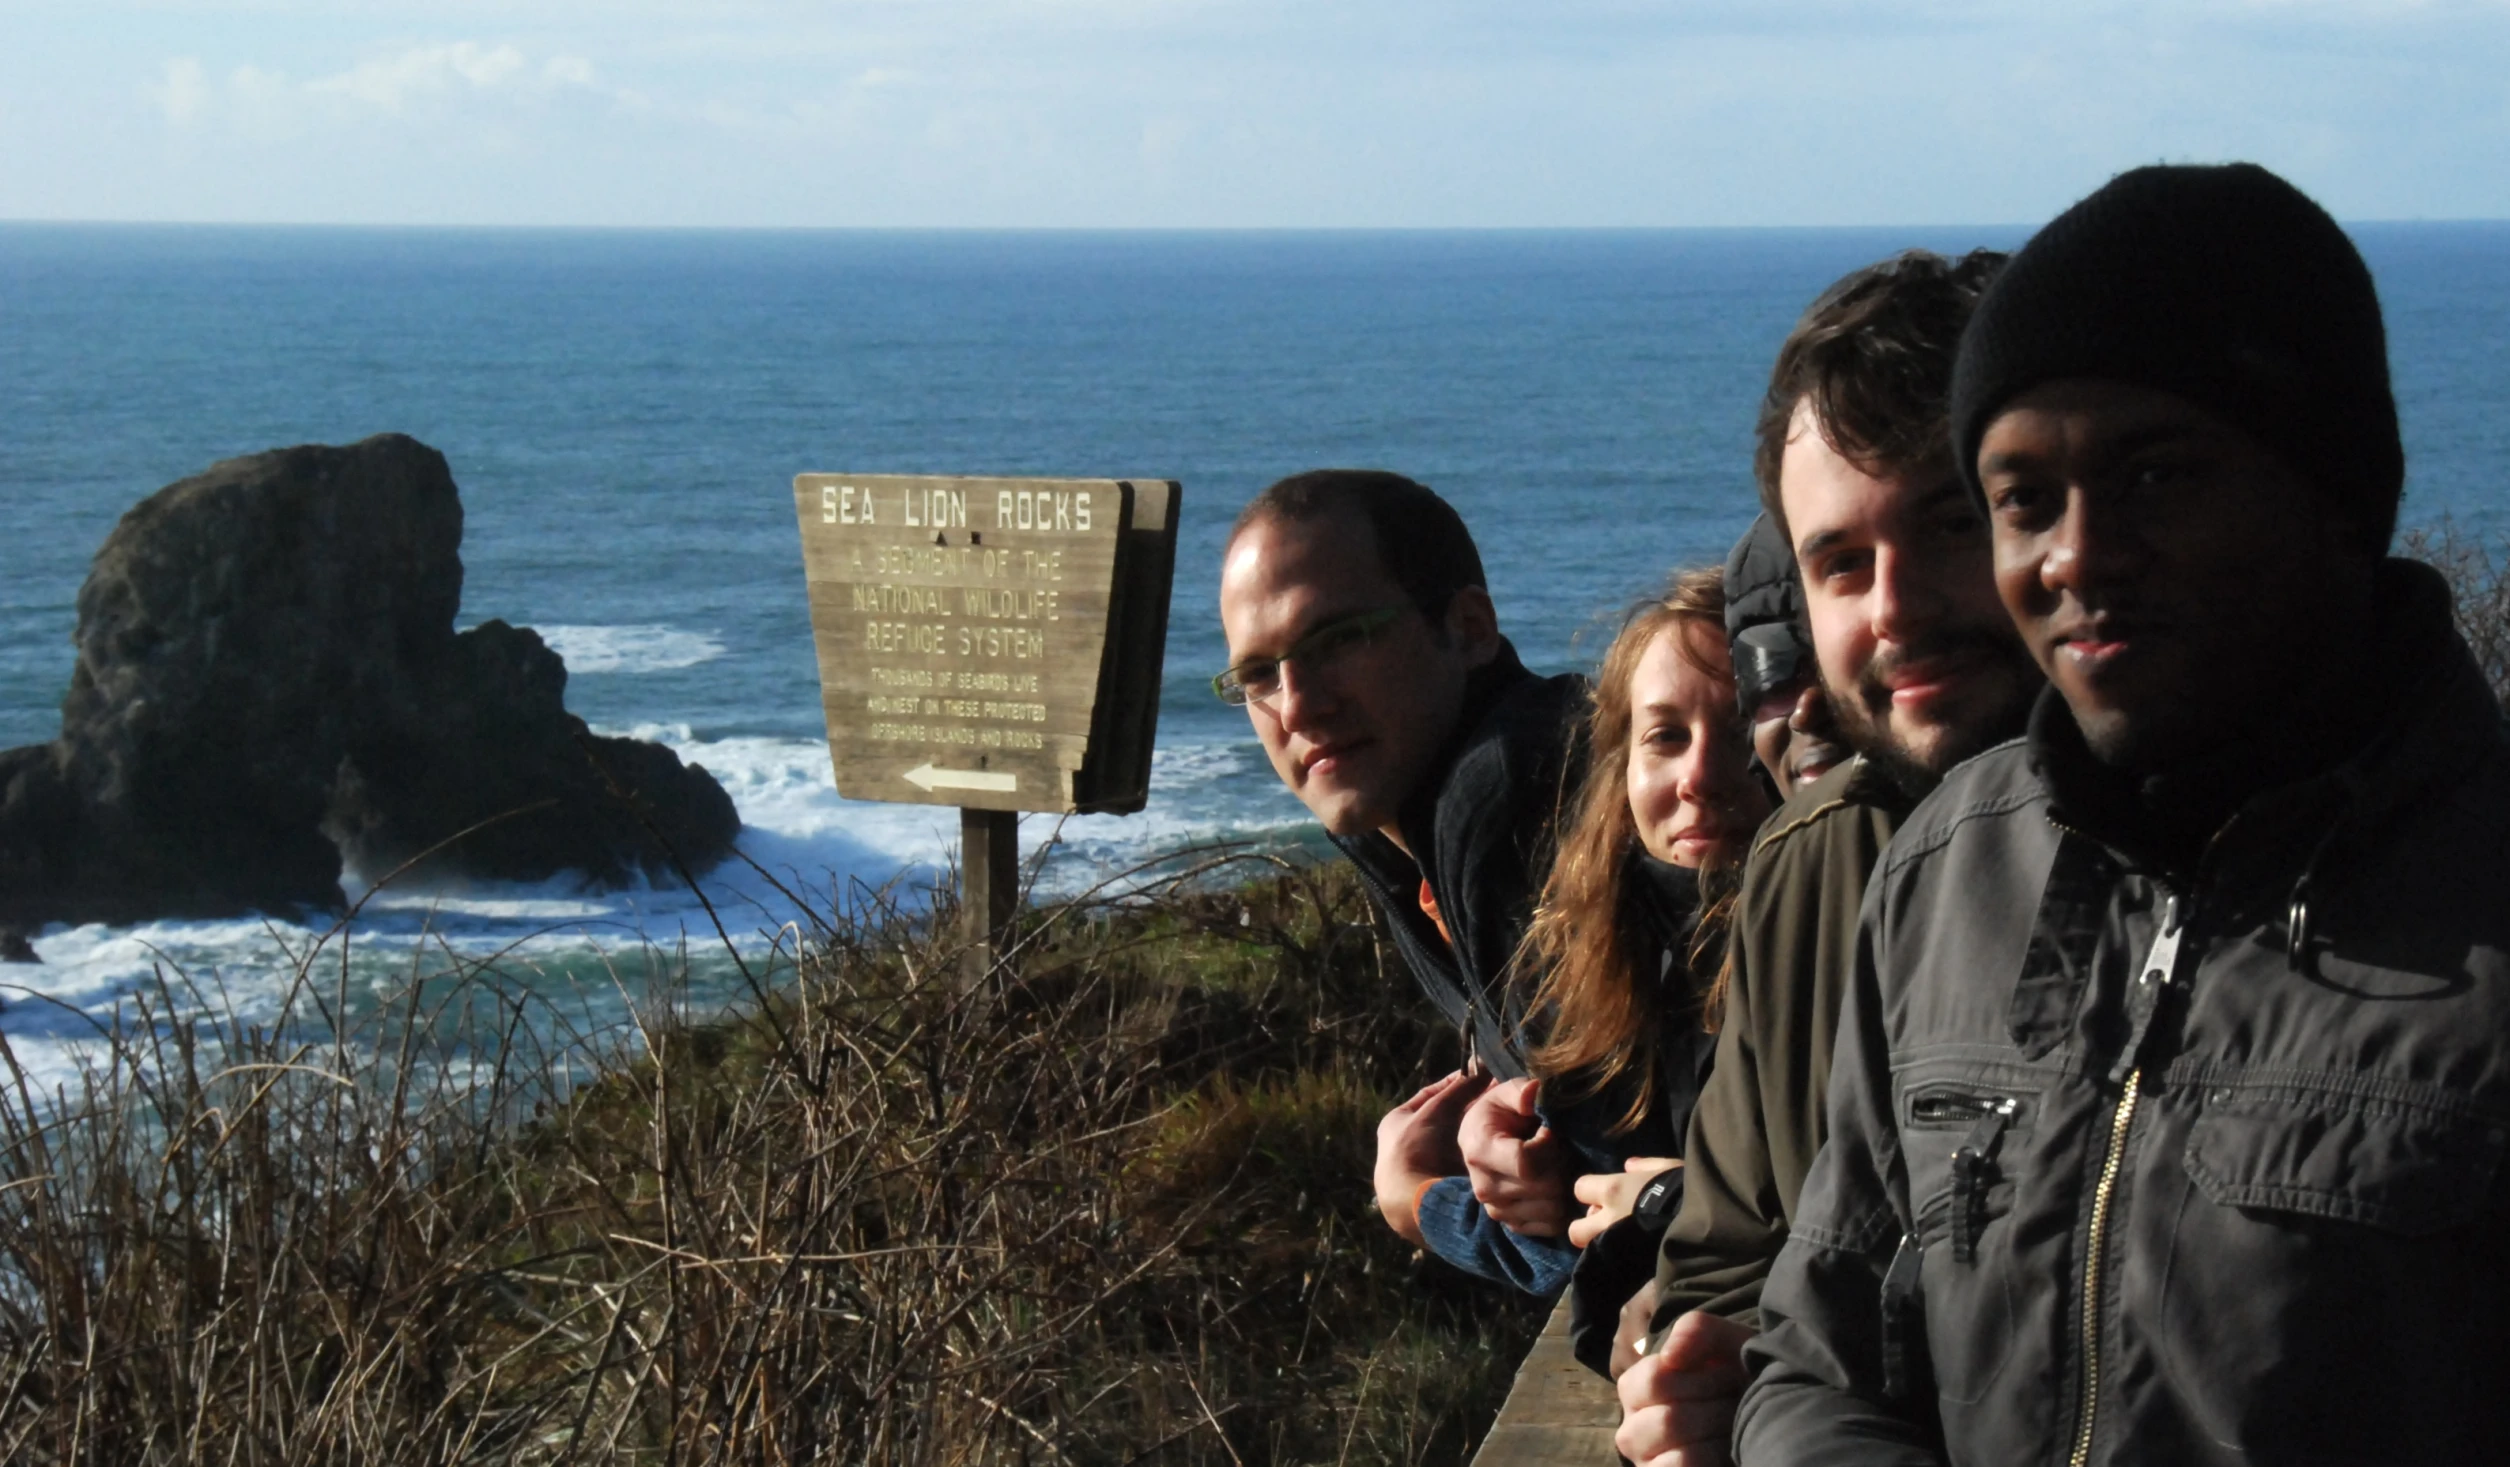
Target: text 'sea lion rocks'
[989, 643]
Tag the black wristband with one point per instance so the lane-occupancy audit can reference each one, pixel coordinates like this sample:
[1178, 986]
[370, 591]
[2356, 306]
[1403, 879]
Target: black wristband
[1657, 1200]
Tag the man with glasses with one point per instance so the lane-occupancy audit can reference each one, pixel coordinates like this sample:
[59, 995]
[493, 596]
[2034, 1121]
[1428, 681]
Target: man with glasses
[1365, 649]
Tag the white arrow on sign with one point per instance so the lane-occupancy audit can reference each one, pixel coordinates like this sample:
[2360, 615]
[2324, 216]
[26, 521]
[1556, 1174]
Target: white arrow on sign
[927, 778]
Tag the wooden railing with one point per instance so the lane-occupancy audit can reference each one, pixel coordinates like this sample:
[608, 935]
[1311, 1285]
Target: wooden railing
[1558, 1414]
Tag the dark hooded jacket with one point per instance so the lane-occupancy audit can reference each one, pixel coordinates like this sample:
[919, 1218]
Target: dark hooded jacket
[2140, 1159]
[1661, 907]
[1483, 825]
[1662, 903]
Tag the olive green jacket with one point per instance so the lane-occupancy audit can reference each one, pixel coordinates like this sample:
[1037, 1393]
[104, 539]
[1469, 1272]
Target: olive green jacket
[1760, 1117]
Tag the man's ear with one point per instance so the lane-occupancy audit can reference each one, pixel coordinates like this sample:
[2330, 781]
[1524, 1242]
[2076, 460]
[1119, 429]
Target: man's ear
[1472, 624]
[2342, 542]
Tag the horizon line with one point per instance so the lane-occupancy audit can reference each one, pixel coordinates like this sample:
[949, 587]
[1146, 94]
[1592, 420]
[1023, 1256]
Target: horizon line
[1096, 229]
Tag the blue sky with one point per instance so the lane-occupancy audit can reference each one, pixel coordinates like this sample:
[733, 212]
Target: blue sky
[1195, 113]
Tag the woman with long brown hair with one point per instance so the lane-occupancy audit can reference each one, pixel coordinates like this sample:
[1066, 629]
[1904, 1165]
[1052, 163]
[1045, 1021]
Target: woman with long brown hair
[1627, 948]
[1628, 956]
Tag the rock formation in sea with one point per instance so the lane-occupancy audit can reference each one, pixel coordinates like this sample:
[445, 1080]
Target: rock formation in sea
[268, 681]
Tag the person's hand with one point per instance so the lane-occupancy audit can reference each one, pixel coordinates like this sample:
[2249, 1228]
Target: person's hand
[1520, 1170]
[1416, 1144]
[1677, 1405]
[1609, 1196]
[1629, 1340]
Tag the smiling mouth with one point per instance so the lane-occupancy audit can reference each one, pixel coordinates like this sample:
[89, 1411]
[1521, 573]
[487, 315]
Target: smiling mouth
[2097, 646]
[1698, 836]
[1916, 682]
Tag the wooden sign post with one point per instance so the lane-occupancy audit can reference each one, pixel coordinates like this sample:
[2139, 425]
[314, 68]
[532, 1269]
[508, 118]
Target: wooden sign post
[993, 644]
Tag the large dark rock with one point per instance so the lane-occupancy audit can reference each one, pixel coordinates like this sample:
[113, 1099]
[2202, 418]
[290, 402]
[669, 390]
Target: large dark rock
[268, 679]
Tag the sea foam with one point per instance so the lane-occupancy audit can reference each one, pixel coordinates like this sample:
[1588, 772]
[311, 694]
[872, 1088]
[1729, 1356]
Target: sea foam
[583, 951]
[629, 649]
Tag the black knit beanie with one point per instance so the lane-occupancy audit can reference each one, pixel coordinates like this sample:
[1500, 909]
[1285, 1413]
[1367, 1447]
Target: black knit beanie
[2224, 285]
[1764, 613]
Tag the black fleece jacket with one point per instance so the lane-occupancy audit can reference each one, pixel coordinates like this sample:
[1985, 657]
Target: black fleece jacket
[1483, 825]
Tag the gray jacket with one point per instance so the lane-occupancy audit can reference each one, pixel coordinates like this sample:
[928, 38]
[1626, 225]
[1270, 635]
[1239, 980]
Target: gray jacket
[2135, 1165]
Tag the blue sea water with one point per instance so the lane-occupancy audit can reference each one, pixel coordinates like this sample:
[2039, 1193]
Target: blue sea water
[624, 412]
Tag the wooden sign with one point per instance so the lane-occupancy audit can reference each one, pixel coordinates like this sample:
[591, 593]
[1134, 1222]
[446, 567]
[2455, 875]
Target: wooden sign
[993, 644]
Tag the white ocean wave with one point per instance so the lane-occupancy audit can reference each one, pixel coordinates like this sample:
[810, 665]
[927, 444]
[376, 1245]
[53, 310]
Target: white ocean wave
[786, 792]
[588, 949]
[629, 649]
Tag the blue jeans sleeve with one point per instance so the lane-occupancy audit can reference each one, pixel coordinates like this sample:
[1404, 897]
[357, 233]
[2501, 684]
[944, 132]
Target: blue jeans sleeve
[1457, 1230]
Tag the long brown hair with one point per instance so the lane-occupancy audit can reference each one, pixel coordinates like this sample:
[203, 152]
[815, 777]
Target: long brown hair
[1597, 1009]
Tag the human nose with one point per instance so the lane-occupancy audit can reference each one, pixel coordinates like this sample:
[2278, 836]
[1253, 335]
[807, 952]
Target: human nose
[1299, 696]
[2091, 545]
[1720, 767]
[1907, 593]
[1689, 774]
[1809, 715]
[1711, 768]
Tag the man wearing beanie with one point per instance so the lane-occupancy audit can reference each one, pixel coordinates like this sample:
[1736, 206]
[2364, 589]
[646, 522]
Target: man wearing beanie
[1776, 683]
[2169, 1108]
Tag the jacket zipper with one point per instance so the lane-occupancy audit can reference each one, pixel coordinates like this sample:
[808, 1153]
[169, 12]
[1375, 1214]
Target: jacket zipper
[1953, 1108]
[1988, 1115]
[1969, 1177]
[2145, 997]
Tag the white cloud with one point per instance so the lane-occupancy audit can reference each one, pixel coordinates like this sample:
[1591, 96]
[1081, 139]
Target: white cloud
[184, 91]
[392, 82]
[1194, 112]
[263, 102]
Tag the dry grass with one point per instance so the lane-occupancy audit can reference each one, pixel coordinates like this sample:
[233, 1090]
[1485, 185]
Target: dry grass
[1109, 1205]
[2479, 576]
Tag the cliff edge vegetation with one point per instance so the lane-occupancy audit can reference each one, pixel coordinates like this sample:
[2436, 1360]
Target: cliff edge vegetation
[1109, 1205]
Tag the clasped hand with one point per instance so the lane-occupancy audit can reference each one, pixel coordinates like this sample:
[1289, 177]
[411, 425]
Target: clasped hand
[1416, 1145]
[1520, 1170]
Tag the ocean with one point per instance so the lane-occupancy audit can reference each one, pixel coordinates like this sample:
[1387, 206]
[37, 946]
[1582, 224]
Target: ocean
[624, 412]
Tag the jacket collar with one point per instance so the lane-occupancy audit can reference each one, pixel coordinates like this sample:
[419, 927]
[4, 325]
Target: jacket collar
[2442, 722]
[1485, 688]
[1667, 898]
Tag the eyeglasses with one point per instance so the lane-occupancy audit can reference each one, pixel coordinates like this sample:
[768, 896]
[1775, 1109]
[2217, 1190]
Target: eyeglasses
[1257, 678]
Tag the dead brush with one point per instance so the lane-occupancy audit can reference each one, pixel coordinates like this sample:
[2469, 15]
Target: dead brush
[2479, 580]
[1108, 1205]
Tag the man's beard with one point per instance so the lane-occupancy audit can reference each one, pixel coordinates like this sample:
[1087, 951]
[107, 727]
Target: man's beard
[1864, 717]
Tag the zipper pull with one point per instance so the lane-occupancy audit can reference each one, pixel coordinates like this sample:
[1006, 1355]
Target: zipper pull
[2144, 993]
[1969, 1179]
[1899, 1325]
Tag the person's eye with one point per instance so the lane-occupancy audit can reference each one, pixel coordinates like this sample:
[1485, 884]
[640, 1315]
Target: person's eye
[2018, 503]
[1843, 568]
[1257, 676]
[2160, 472]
